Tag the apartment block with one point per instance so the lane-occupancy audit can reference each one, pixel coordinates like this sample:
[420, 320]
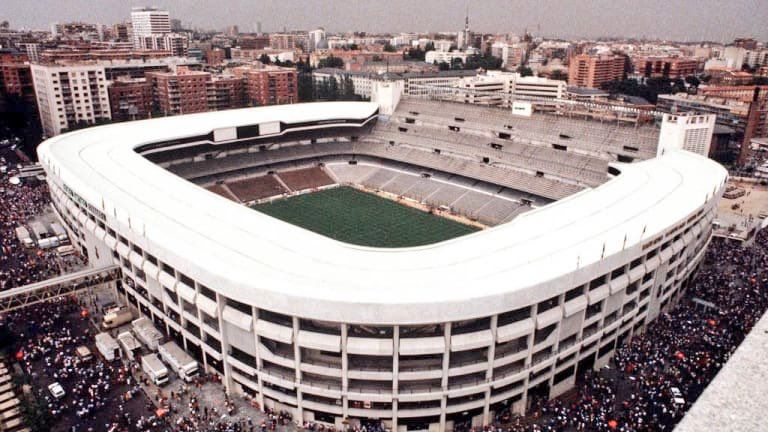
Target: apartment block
[595, 70]
[70, 95]
[130, 99]
[666, 67]
[183, 92]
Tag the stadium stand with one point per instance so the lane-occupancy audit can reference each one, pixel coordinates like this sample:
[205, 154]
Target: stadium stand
[306, 178]
[255, 188]
[220, 189]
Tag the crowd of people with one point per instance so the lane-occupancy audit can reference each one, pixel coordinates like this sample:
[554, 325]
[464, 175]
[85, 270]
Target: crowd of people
[97, 392]
[652, 380]
[648, 385]
[18, 265]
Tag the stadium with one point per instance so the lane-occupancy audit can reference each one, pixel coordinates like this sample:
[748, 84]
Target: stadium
[422, 269]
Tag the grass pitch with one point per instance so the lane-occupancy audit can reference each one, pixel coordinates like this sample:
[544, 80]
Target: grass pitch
[349, 215]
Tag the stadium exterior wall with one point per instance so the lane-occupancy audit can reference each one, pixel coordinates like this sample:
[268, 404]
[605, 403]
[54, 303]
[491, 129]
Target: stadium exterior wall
[430, 359]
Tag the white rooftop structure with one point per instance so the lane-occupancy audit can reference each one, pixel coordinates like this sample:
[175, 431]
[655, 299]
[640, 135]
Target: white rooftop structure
[314, 275]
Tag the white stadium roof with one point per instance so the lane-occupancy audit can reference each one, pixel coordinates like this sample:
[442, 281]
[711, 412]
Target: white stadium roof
[274, 263]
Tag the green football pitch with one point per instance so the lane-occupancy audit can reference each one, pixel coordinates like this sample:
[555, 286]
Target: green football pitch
[360, 218]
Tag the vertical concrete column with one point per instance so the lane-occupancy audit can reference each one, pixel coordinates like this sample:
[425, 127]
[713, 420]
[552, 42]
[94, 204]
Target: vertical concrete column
[489, 371]
[224, 341]
[297, 366]
[344, 376]
[200, 328]
[260, 396]
[446, 366]
[395, 372]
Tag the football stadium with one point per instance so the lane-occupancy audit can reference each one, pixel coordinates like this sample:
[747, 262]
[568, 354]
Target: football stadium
[423, 268]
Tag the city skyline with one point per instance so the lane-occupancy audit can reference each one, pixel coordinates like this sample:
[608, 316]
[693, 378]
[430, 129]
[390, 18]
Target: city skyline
[686, 20]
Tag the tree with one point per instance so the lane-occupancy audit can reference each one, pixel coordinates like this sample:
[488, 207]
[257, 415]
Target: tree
[693, 81]
[414, 54]
[331, 62]
[457, 63]
[264, 59]
[559, 75]
[524, 71]
[305, 87]
[389, 48]
[486, 61]
[354, 47]
[444, 66]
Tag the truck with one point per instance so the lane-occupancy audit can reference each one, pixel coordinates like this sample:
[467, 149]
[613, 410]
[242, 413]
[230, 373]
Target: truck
[116, 318]
[146, 332]
[83, 353]
[22, 233]
[129, 345]
[180, 362]
[155, 369]
[59, 231]
[107, 346]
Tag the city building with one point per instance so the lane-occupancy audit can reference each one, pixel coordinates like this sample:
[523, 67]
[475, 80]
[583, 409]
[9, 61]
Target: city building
[146, 22]
[182, 92]
[226, 92]
[70, 96]
[269, 85]
[316, 37]
[253, 42]
[743, 109]
[283, 41]
[130, 99]
[175, 44]
[445, 56]
[502, 88]
[688, 132]
[424, 84]
[666, 67]
[16, 76]
[593, 71]
[431, 337]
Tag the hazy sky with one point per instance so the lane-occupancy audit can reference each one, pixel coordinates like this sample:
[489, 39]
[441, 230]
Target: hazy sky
[671, 19]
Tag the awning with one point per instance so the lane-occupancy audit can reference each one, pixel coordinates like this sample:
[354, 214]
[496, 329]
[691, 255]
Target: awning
[597, 294]
[110, 241]
[136, 259]
[150, 269]
[619, 283]
[237, 318]
[468, 341]
[546, 318]
[274, 331]
[123, 249]
[207, 305]
[167, 280]
[514, 330]
[575, 305]
[422, 346]
[100, 233]
[370, 346]
[186, 292]
[320, 341]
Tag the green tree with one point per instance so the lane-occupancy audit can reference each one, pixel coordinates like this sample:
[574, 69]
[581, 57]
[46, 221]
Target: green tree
[693, 81]
[444, 66]
[389, 48]
[331, 62]
[305, 87]
[264, 59]
[559, 75]
[524, 71]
